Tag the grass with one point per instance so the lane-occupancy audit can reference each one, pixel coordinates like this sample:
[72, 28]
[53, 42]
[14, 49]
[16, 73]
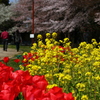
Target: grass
[11, 62]
[22, 48]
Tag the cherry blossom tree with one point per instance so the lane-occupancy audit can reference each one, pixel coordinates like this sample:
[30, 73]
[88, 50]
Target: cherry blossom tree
[97, 17]
[22, 15]
[63, 15]
[5, 14]
[55, 15]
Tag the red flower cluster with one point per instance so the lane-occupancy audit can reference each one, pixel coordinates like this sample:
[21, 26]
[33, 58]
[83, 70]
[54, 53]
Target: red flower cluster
[34, 56]
[32, 87]
[29, 56]
[63, 48]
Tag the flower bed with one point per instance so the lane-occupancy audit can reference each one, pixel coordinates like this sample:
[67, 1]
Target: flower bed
[75, 70]
[55, 64]
[20, 85]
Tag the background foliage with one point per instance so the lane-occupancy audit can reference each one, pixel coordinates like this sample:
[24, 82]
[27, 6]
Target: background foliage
[70, 18]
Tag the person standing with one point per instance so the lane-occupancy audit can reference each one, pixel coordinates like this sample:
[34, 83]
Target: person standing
[17, 39]
[5, 36]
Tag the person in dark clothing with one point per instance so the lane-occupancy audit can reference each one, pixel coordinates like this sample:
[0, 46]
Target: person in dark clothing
[5, 36]
[17, 39]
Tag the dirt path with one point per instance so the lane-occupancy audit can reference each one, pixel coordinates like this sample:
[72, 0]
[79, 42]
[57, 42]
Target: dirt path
[9, 53]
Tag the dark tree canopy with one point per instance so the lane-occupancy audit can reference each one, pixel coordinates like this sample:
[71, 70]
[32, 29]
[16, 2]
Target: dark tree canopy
[6, 2]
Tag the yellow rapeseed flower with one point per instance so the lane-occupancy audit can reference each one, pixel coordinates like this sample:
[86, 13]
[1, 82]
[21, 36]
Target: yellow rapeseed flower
[75, 50]
[88, 74]
[39, 36]
[96, 64]
[67, 77]
[84, 97]
[93, 40]
[21, 67]
[97, 77]
[61, 75]
[48, 35]
[54, 34]
[82, 45]
[51, 86]
[25, 53]
[80, 86]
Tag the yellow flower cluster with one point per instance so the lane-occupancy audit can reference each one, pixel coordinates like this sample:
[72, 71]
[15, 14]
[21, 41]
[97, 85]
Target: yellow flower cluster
[73, 69]
[80, 86]
[39, 36]
[54, 34]
[33, 69]
[48, 35]
[84, 97]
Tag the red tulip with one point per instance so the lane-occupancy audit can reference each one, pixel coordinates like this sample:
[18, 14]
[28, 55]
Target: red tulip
[6, 95]
[57, 94]
[6, 59]
[5, 73]
[17, 60]
[68, 96]
[40, 82]
[32, 93]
